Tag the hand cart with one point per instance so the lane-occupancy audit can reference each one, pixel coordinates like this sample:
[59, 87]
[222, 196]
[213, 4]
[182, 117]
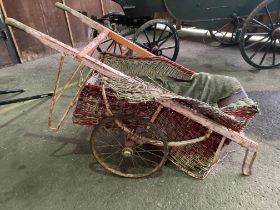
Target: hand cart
[139, 124]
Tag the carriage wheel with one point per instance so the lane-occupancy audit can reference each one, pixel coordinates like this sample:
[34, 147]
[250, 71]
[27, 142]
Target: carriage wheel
[115, 150]
[110, 46]
[159, 37]
[262, 51]
[229, 33]
[226, 34]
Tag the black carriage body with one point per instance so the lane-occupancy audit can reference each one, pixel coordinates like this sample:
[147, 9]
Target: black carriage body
[202, 13]
[141, 8]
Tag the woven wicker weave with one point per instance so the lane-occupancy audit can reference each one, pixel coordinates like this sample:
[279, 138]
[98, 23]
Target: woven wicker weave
[194, 159]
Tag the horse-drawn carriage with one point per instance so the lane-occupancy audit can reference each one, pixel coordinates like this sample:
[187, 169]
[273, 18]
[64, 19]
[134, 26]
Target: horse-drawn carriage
[252, 23]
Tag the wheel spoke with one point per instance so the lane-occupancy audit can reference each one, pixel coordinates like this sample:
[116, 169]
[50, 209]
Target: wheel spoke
[119, 165]
[147, 38]
[147, 151]
[224, 26]
[274, 52]
[106, 41]
[110, 45]
[105, 143]
[132, 160]
[266, 51]
[268, 13]
[166, 38]
[115, 47]
[139, 156]
[254, 43]
[109, 145]
[261, 24]
[154, 34]
[161, 34]
[111, 154]
[145, 159]
[108, 131]
[167, 48]
[258, 50]
[120, 48]
[142, 45]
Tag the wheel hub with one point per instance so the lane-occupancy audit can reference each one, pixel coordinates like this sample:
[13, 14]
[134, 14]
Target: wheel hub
[127, 152]
[276, 33]
[155, 50]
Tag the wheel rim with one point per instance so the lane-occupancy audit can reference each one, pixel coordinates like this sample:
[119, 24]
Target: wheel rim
[158, 37]
[263, 49]
[115, 150]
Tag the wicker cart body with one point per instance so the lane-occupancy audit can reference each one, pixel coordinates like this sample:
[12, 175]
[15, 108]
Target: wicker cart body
[195, 159]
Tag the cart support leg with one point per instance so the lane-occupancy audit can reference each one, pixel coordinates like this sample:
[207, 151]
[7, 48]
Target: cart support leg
[247, 167]
[217, 154]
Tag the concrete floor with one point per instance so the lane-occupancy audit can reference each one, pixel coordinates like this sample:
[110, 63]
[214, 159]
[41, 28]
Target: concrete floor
[41, 169]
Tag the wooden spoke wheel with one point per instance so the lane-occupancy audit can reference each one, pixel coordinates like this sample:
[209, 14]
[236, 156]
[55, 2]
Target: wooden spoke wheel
[262, 51]
[121, 153]
[159, 37]
[110, 46]
[227, 33]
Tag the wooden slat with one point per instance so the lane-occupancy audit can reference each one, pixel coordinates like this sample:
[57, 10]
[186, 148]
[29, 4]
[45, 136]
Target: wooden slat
[80, 31]
[10, 29]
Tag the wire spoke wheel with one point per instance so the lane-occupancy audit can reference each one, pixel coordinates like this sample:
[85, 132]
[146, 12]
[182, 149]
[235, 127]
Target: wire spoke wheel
[159, 37]
[118, 152]
[262, 51]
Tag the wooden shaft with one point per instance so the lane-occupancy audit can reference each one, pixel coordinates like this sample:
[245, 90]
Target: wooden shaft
[99, 27]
